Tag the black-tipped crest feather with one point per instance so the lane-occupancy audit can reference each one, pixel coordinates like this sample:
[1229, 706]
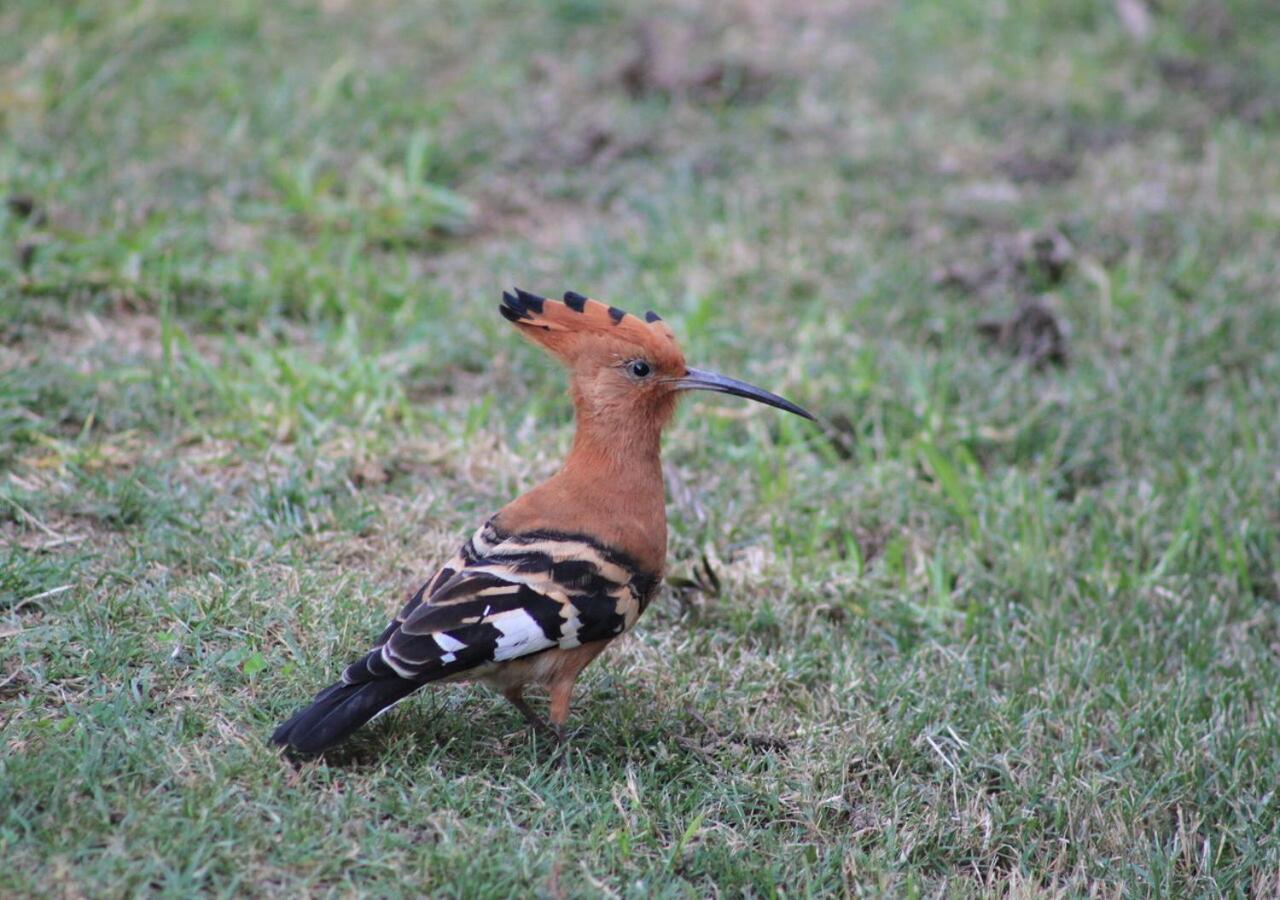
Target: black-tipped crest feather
[531, 301]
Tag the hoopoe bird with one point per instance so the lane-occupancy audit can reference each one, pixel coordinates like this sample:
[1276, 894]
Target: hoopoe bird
[543, 587]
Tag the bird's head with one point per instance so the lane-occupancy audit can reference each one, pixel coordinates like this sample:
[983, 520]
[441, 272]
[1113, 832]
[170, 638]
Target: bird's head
[625, 372]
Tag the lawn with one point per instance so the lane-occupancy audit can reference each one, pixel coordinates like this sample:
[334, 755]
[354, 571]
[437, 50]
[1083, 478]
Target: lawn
[1007, 620]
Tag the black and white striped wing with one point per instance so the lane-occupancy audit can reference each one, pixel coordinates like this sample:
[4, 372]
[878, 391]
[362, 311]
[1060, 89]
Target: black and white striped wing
[507, 596]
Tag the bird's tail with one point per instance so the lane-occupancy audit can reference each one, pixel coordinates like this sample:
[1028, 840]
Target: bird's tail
[339, 710]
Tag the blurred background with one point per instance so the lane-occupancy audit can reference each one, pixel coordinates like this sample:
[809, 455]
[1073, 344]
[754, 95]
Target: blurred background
[1009, 616]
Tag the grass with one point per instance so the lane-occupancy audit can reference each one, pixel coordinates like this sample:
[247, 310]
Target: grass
[1002, 625]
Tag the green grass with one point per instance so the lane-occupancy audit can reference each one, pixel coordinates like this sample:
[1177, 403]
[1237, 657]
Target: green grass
[997, 626]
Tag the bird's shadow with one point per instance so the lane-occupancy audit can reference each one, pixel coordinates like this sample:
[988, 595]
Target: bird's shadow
[466, 730]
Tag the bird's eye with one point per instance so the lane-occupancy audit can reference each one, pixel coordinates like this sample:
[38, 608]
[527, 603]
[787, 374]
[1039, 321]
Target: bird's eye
[638, 367]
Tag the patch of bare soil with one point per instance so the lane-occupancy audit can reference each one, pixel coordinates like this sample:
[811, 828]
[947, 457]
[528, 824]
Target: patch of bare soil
[25, 207]
[1022, 262]
[1025, 167]
[1033, 333]
[1025, 264]
[666, 61]
[1239, 91]
[575, 143]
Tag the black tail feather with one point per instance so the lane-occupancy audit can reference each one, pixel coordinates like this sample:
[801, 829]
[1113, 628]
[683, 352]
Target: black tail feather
[339, 710]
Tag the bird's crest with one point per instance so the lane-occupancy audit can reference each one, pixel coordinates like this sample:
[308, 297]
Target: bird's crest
[560, 325]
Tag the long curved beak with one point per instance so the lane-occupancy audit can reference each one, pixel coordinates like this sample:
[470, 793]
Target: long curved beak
[699, 380]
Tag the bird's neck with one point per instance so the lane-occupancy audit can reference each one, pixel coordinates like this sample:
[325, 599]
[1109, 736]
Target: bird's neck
[616, 485]
[606, 452]
[609, 487]
[618, 473]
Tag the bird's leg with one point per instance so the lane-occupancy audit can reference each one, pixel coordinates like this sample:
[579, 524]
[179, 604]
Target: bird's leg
[516, 696]
[561, 691]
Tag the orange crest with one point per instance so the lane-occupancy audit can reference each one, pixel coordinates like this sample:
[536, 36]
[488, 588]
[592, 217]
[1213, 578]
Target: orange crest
[578, 330]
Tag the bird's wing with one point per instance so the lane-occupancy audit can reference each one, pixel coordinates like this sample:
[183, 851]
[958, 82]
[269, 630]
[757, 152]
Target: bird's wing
[507, 596]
